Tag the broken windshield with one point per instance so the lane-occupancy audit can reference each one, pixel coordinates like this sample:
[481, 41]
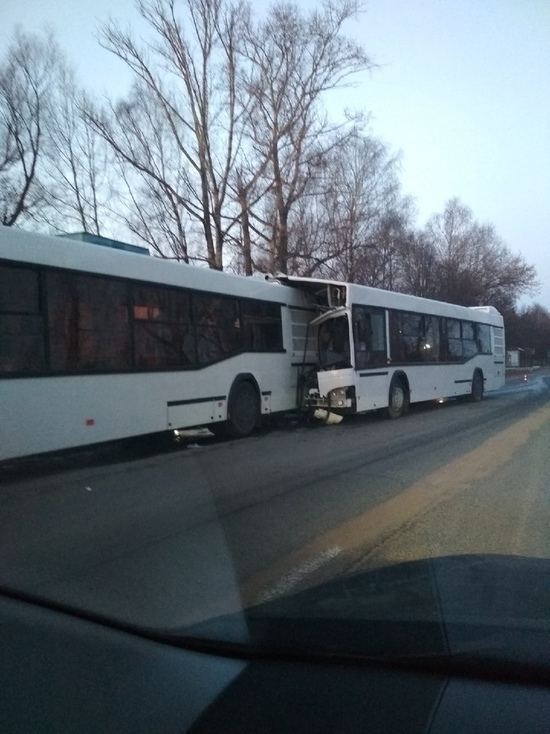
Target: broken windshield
[334, 343]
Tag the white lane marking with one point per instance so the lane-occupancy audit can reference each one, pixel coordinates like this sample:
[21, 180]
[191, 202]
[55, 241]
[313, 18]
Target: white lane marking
[292, 578]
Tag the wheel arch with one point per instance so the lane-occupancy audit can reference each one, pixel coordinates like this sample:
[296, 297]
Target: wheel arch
[477, 397]
[479, 371]
[238, 380]
[394, 410]
[401, 375]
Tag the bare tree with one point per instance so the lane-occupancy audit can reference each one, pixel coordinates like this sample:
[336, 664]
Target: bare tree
[529, 329]
[152, 177]
[475, 266]
[351, 220]
[27, 77]
[187, 71]
[419, 271]
[77, 164]
[295, 57]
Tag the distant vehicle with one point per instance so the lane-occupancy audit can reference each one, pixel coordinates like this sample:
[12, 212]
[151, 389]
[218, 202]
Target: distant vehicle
[99, 344]
[379, 349]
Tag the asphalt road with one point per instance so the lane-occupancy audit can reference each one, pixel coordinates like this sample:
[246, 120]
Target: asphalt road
[168, 539]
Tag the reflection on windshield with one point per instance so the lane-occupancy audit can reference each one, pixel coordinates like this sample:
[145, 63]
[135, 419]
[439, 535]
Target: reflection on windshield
[334, 345]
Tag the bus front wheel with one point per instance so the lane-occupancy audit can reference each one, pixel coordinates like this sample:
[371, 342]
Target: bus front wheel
[244, 410]
[398, 400]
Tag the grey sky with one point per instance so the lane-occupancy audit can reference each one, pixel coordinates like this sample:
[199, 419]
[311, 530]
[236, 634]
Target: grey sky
[463, 90]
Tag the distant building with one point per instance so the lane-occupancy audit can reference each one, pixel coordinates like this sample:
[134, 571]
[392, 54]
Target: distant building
[512, 358]
[519, 357]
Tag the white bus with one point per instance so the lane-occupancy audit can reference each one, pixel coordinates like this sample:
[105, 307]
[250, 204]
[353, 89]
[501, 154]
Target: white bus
[369, 349]
[99, 344]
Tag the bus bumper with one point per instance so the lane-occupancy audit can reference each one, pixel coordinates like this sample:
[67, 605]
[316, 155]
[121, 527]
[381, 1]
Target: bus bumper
[341, 401]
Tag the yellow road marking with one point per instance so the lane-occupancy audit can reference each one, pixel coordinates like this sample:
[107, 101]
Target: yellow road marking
[374, 524]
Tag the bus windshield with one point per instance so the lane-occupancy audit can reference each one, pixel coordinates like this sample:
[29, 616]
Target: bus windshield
[334, 343]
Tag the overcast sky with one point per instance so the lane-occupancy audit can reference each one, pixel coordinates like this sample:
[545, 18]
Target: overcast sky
[462, 90]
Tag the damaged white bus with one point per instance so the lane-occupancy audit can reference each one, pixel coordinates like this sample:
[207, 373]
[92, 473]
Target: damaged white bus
[367, 349]
[98, 344]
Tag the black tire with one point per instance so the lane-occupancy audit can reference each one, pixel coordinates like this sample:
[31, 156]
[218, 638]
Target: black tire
[476, 395]
[398, 400]
[244, 410]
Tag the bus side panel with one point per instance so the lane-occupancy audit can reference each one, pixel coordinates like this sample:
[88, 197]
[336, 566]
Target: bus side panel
[51, 413]
[372, 389]
[300, 341]
[433, 382]
[426, 382]
[185, 413]
[46, 414]
[446, 381]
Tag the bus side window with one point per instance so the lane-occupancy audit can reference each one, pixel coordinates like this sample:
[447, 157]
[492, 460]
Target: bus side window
[431, 350]
[451, 340]
[162, 328]
[369, 334]
[469, 343]
[21, 323]
[362, 336]
[483, 332]
[413, 337]
[218, 329]
[397, 348]
[262, 326]
[88, 323]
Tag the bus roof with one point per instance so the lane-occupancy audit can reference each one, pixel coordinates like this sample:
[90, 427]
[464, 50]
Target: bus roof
[65, 252]
[367, 295]
[96, 239]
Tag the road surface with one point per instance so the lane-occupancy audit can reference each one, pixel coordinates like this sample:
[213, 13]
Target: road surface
[173, 537]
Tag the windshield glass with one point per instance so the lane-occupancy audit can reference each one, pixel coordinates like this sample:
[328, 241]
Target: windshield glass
[334, 344]
[191, 443]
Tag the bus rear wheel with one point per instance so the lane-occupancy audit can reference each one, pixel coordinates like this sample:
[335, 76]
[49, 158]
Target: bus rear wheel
[398, 400]
[244, 410]
[477, 387]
